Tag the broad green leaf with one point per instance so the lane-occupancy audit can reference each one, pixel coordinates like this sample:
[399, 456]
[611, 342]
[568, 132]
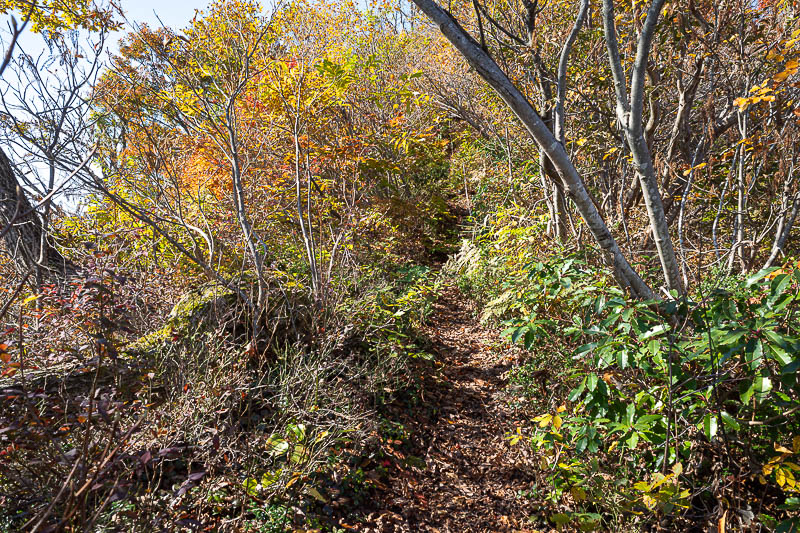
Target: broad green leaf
[746, 393]
[779, 284]
[270, 477]
[519, 332]
[655, 331]
[758, 276]
[560, 519]
[576, 393]
[277, 446]
[710, 426]
[729, 421]
[755, 356]
[725, 338]
[630, 414]
[762, 384]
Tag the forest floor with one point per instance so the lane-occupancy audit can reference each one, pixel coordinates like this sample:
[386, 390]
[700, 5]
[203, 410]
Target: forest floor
[470, 477]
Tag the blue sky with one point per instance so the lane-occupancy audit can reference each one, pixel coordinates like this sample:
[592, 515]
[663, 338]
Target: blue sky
[173, 13]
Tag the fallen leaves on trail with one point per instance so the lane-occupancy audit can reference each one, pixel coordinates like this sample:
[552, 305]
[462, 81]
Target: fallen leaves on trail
[468, 477]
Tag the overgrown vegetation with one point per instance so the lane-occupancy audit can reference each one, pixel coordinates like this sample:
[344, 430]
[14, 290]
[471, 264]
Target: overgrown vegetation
[645, 412]
[222, 242]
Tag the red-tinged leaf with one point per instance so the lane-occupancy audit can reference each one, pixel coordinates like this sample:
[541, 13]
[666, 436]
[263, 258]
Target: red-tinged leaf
[146, 457]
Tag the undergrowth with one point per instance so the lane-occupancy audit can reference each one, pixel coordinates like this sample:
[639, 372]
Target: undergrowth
[675, 413]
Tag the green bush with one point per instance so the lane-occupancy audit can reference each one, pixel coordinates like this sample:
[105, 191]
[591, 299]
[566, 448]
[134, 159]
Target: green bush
[662, 389]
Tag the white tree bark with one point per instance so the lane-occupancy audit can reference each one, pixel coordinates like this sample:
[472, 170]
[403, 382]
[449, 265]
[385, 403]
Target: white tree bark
[488, 69]
[629, 114]
[563, 60]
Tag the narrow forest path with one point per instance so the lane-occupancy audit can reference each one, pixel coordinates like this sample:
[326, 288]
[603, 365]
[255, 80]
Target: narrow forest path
[472, 475]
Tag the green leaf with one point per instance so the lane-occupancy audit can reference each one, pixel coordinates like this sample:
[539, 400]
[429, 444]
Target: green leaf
[791, 525]
[270, 477]
[756, 355]
[746, 393]
[758, 276]
[316, 494]
[654, 347]
[626, 314]
[762, 384]
[519, 332]
[655, 331]
[277, 446]
[780, 355]
[729, 421]
[779, 284]
[710, 426]
[591, 382]
[725, 338]
[576, 393]
[585, 348]
[251, 486]
[630, 414]
[791, 504]
[298, 430]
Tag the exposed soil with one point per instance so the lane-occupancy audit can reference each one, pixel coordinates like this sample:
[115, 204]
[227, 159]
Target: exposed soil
[472, 476]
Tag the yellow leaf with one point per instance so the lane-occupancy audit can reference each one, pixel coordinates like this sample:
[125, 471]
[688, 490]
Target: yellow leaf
[781, 449]
[293, 480]
[780, 476]
[29, 299]
[789, 477]
[578, 493]
[796, 444]
[781, 76]
[557, 422]
[316, 494]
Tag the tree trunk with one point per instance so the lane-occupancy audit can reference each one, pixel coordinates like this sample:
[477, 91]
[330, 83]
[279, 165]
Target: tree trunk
[488, 69]
[22, 231]
[629, 114]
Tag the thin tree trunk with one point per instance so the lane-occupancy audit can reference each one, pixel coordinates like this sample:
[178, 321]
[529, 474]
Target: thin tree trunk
[738, 222]
[790, 210]
[488, 69]
[561, 88]
[629, 114]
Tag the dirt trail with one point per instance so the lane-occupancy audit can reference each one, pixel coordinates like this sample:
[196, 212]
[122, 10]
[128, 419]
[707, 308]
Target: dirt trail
[472, 475]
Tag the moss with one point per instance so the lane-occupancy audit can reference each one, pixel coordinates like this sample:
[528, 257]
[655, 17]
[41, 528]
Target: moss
[196, 310]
